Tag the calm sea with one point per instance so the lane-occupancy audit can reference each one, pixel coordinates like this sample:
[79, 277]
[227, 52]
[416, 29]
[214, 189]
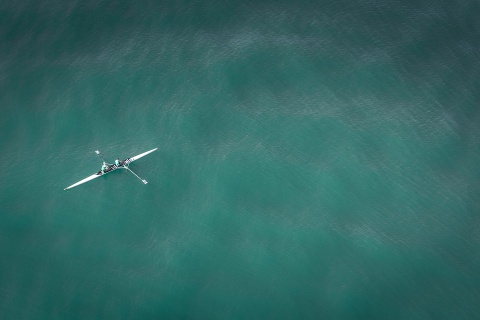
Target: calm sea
[317, 159]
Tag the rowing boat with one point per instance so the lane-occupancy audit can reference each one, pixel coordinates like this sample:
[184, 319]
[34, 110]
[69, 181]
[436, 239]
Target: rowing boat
[112, 167]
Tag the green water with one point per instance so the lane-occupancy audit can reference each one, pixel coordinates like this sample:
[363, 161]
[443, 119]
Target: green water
[317, 160]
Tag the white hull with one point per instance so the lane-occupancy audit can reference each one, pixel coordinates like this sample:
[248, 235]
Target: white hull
[142, 155]
[93, 176]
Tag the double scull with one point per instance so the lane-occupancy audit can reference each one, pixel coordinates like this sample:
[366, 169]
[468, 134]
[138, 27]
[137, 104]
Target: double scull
[112, 167]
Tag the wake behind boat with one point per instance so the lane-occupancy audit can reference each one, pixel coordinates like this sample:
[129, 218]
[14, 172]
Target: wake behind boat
[107, 168]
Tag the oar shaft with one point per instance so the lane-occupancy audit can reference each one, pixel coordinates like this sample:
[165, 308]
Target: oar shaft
[98, 154]
[144, 181]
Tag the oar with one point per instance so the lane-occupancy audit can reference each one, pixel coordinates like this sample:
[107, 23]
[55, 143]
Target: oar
[98, 154]
[144, 181]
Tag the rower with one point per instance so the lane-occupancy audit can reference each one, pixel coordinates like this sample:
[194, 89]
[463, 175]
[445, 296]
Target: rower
[104, 167]
[117, 162]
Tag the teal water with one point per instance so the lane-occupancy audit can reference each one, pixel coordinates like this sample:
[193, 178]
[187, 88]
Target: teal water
[317, 160]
